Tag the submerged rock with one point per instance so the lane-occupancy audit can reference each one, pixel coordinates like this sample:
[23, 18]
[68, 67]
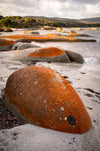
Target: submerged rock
[43, 97]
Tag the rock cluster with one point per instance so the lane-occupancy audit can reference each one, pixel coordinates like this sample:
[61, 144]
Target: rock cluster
[43, 97]
[48, 37]
[48, 54]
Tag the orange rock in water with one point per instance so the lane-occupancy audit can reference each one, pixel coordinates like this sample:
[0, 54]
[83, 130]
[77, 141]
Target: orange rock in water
[44, 98]
[46, 37]
[47, 52]
[4, 42]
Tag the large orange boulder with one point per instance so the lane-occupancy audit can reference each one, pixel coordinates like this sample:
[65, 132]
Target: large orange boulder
[44, 98]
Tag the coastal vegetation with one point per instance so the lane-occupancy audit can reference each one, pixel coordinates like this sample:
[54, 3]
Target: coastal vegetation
[30, 22]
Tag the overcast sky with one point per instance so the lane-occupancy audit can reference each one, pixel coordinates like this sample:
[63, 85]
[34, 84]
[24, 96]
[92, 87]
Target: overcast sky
[75, 9]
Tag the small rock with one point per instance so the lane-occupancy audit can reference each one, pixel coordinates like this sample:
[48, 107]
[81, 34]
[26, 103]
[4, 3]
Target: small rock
[82, 72]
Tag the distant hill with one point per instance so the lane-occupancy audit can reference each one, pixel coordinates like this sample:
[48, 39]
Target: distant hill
[91, 20]
[57, 19]
[38, 21]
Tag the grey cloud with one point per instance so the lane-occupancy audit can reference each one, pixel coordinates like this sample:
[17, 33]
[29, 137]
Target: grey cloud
[23, 3]
[51, 8]
[85, 1]
[79, 1]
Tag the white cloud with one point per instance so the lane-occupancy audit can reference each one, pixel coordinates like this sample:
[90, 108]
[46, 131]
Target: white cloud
[51, 8]
[93, 9]
[7, 1]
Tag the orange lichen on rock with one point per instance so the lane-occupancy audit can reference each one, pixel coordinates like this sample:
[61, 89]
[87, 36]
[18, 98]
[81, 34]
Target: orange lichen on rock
[70, 38]
[53, 36]
[50, 34]
[44, 98]
[41, 37]
[4, 42]
[24, 36]
[47, 52]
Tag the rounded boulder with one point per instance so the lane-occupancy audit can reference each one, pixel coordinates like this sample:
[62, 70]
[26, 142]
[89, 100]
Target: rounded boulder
[52, 54]
[43, 97]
